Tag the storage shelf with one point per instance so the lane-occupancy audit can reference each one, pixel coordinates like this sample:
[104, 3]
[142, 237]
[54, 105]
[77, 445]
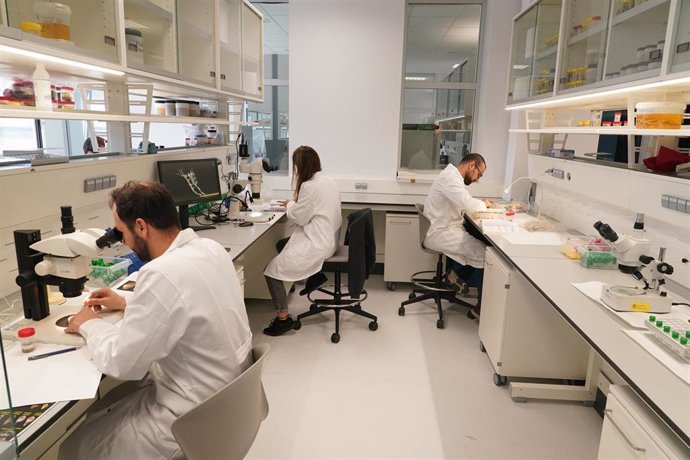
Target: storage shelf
[104, 116]
[546, 53]
[607, 131]
[149, 7]
[595, 29]
[631, 13]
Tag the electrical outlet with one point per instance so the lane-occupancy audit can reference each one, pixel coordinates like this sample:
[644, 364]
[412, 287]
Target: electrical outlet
[361, 185]
[558, 173]
[89, 185]
[675, 203]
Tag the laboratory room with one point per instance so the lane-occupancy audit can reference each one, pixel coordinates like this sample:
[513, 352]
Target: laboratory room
[345, 229]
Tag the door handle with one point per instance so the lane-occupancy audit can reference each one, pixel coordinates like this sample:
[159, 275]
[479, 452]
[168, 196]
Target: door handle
[607, 413]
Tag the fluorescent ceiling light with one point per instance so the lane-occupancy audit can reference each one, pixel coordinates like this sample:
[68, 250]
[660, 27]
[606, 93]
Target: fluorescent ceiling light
[520, 66]
[455, 66]
[415, 78]
[611, 92]
[58, 60]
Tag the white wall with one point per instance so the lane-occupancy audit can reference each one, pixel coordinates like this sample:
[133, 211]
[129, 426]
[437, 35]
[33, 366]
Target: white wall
[345, 83]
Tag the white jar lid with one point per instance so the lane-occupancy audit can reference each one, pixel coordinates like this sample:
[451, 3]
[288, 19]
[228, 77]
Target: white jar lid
[661, 107]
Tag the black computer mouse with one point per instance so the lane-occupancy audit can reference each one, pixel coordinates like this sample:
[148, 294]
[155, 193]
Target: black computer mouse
[245, 224]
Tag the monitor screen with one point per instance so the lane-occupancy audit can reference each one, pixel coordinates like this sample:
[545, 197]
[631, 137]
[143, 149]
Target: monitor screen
[190, 181]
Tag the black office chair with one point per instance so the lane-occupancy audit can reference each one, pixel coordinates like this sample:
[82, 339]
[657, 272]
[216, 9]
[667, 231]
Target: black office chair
[438, 287]
[358, 256]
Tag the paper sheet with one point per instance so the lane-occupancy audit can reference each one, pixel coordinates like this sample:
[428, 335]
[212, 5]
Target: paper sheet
[592, 289]
[63, 377]
[667, 358]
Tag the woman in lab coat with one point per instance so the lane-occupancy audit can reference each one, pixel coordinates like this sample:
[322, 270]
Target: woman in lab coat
[316, 211]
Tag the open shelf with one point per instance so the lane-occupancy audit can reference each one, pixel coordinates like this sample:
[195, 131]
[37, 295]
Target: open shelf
[28, 112]
[685, 132]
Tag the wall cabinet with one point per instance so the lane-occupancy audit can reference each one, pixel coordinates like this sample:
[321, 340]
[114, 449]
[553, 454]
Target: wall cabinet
[564, 47]
[214, 45]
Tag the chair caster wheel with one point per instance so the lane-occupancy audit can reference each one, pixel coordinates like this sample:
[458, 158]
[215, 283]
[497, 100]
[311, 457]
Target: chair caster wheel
[373, 326]
[411, 296]
[312, 307]
[392, 286]
[335, 337]
[401, 311]
[439, 324]
[298, 325]
[481, 347]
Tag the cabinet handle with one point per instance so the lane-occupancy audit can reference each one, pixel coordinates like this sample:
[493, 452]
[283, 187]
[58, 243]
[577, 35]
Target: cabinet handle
[399, 222]
[607, 413]
[212, 73]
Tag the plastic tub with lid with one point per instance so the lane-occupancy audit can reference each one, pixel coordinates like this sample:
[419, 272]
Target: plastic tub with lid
[54, 19]
[659, 115]
[135, 45]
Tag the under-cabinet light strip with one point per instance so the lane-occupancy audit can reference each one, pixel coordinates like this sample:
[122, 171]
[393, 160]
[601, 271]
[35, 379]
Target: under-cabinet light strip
[58, 60]
[627, 89]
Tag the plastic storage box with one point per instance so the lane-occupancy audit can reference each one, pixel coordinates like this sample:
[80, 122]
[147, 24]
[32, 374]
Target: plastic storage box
[106, 271]
[570, 246]
[597, 253]
[659, 115]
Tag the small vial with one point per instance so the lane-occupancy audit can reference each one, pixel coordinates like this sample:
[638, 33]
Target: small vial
[26, 339]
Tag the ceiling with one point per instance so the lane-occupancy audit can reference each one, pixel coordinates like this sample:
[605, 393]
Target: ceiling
[438, 36]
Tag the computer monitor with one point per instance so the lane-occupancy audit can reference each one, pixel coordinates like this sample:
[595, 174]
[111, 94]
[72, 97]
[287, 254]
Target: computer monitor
[190, 181]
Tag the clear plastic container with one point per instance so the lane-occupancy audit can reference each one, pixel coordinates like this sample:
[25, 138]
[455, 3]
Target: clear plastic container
[54, 19]
[182, 108]
[659, 115]
[159, 107]
[194, 109]
[170, 107]
[597, 253]
[32, 28]
[26, 339]
[570, 246]
[135, 45]
[106, 271]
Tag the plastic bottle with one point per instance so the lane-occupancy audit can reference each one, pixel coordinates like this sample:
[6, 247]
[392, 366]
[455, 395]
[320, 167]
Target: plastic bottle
[42, 88]
[26, 338]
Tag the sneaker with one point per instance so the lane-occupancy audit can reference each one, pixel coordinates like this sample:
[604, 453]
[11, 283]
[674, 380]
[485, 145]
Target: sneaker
[313, 283]
[474, 313]
[279, 326]
[459, 284]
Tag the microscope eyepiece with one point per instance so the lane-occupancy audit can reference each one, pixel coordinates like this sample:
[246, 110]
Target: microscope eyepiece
[112, 236]
[606, 231]
[67, 220]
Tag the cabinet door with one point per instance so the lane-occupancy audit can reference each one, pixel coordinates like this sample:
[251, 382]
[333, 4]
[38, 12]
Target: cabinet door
[195, 41]
[155, 21]
[229, 43]
[637, 38]
[522, 54]
[585, 35]
[403, 254]
[546, 47]
[494, 299]
[680, 47]
[82, 27]
[252, 51]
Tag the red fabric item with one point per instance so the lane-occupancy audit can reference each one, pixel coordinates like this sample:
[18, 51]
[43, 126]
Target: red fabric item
[666, 160]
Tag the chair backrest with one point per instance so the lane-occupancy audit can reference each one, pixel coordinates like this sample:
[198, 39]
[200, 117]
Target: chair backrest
[424, 223]
[225, 424]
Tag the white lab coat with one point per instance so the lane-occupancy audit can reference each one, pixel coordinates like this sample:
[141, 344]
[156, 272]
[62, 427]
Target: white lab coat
[186, 326]
[318, 218]
[445, 205]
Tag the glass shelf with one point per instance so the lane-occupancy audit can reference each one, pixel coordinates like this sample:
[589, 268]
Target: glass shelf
[83, 27]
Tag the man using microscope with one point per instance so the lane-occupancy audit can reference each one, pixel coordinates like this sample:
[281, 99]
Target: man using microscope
[445, 205]
[184, 333]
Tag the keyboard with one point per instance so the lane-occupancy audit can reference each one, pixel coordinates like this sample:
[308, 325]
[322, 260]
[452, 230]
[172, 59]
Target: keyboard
[35, 158]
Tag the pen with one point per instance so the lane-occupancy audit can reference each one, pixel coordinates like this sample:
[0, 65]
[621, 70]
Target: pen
[52, 353]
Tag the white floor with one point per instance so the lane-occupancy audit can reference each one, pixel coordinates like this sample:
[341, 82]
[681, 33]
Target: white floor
[407, 390]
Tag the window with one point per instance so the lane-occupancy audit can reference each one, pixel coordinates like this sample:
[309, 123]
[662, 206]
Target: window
[268, 133]
[440, 82]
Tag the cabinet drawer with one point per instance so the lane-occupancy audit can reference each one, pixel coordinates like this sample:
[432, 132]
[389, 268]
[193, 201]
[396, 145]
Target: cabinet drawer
[403, 253]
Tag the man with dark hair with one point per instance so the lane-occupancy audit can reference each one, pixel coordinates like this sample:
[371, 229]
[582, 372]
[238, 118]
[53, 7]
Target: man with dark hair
[184, 333]
[445, 205]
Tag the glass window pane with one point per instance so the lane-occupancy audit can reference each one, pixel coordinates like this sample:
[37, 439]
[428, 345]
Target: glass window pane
[268, 137]
[442, 42]
[17, 134]
[430, 139]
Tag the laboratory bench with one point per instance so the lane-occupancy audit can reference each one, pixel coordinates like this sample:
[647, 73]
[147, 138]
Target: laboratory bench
[537, 257]
[248, 246]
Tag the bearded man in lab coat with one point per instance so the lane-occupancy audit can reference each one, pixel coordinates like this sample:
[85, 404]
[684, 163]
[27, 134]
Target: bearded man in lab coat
[445, 206]
[184, 333]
